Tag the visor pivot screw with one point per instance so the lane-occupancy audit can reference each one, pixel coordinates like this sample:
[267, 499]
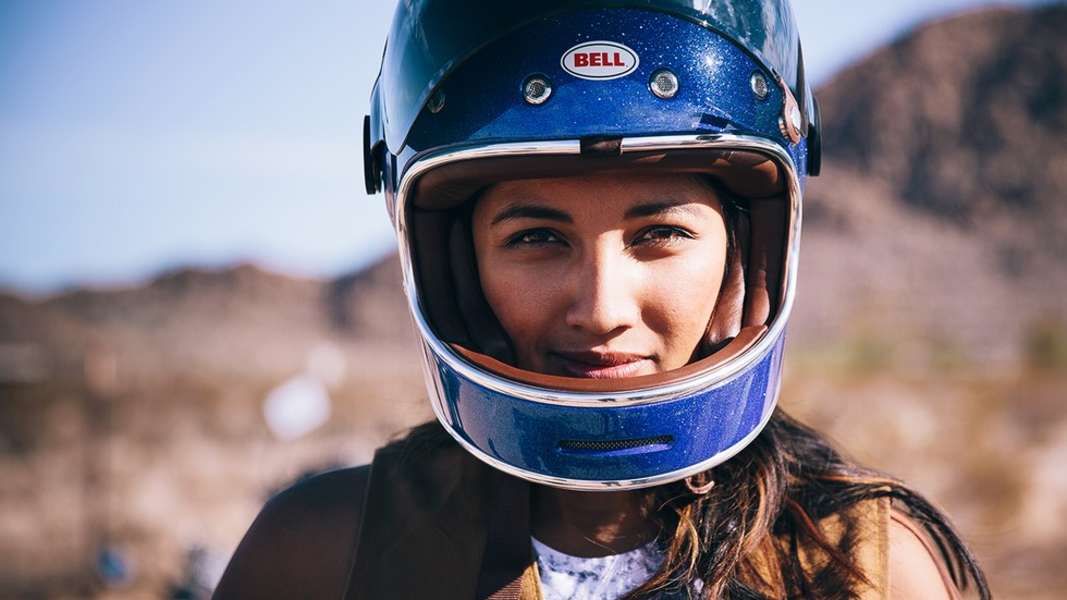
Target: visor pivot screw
[536, 89]
[794, 117]
[791, 120]
[759, 85]
[436, 102]
[664, 84]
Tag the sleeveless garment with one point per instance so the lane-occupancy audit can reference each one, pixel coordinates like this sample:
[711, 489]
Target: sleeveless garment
[466, 526]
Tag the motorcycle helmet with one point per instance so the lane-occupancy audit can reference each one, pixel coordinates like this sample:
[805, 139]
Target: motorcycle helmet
[476, 92]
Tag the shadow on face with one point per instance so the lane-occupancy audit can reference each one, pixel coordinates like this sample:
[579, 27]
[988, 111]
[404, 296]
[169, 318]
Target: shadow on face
[602, 276]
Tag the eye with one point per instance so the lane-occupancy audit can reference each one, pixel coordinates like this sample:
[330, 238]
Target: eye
[659, 235]
[534, 237]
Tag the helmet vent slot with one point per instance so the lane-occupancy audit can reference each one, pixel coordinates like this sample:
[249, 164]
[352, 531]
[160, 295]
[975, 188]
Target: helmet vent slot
[631, 446]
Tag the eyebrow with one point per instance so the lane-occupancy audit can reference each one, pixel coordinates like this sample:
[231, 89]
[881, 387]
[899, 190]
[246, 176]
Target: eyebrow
[531, 211]
[536, 211]
[650, 209]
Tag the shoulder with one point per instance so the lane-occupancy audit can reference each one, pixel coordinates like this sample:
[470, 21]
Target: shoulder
[894, 551]
[916, 569]
[300, 544]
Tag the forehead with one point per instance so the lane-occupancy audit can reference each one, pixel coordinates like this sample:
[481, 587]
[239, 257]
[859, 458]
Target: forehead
[601, 191]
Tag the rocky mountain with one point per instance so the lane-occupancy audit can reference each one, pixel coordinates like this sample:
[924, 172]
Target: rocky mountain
[930, 322]
[230, 322]
[966, 120]
[940, 212]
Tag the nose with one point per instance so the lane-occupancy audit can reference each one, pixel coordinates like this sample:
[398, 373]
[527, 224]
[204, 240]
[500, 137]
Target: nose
[604, 298]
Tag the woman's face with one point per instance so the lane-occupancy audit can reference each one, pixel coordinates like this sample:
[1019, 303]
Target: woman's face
[602, 275]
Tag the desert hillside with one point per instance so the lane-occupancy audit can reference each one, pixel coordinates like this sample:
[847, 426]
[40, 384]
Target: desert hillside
[142, 428]
[941, 211]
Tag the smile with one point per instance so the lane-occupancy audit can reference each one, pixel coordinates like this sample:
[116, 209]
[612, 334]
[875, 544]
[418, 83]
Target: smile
[603, 365]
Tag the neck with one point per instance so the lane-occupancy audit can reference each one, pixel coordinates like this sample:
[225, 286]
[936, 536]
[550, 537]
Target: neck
[593, 523]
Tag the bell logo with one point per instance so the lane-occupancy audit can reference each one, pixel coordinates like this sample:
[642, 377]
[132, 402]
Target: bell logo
[599, 60]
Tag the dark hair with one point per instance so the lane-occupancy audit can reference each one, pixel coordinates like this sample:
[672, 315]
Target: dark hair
[756, 534]
[746, 538]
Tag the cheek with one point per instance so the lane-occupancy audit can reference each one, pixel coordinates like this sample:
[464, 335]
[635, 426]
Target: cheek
[522, 302]
[680, 298]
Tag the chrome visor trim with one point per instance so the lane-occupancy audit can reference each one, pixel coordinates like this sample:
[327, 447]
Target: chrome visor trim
[710, 379]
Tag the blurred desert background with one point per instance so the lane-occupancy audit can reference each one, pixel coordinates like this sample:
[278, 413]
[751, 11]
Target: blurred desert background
[142, 426]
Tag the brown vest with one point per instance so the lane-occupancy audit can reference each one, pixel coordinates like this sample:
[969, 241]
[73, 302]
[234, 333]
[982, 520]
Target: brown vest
[467, 527]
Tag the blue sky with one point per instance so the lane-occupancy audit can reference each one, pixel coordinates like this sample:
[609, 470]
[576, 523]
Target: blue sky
[142, 136]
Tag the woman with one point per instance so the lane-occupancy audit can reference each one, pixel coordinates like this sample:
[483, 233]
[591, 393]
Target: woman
[598, 209]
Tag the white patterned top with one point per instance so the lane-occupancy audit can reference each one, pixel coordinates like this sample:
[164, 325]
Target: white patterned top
[566, 577]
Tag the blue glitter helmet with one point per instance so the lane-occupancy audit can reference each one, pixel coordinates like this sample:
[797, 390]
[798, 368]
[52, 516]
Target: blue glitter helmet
[475, 92]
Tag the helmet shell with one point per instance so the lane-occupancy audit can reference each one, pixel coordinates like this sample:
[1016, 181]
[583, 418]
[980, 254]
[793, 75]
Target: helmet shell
[429, 39]
[451, 90]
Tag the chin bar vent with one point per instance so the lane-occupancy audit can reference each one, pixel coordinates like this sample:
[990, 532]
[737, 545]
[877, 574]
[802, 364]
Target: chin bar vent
[647, 444]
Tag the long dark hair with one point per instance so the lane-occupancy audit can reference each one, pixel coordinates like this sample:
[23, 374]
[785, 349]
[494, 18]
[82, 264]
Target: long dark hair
[758, 535]
[755, 534]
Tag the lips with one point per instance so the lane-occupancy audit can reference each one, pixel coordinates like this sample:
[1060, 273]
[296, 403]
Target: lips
[602, 365]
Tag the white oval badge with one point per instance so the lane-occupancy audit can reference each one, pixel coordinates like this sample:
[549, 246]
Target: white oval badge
[599, 60]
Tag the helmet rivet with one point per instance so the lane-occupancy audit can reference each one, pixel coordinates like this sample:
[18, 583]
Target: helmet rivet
[663, 84]
[536, 89]
[436, 102]
[759, 85]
